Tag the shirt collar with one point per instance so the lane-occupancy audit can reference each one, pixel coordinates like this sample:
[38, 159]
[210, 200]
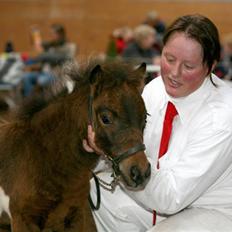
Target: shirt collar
[186, 106]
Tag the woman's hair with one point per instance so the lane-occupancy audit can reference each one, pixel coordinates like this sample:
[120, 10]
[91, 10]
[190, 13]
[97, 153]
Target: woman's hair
[141, 32]
[202, 30]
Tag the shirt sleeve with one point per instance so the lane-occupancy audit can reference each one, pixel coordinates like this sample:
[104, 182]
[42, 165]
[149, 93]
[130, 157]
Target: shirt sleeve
[208, 153]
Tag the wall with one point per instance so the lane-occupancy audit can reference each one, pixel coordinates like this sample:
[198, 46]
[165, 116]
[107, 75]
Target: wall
[90, 22]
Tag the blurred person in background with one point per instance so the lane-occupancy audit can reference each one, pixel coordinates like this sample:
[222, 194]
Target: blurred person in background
[141, 48]
[152, 19]
[118, 41]
[9, 47]
[225, 66]
[52, 54]
[124, 37]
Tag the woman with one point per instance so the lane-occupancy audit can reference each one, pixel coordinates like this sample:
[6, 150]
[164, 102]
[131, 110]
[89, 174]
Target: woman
[191, 183]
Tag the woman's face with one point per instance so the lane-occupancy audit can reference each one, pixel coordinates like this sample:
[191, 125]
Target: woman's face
[182, 67]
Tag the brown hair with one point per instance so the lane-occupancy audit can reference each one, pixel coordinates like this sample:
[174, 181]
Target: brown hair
[59, 30]
[202, 30]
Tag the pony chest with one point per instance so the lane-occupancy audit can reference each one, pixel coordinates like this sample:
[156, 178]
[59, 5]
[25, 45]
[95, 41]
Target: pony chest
[4, 202]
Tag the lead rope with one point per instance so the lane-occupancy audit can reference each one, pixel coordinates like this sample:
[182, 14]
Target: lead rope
[107, 186]
[97, 206]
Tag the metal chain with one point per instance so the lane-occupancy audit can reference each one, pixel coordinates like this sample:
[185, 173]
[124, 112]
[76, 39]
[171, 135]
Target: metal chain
[109, 186]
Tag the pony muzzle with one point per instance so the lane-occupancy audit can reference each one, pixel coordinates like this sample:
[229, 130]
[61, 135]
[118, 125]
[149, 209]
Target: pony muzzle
[136, 171]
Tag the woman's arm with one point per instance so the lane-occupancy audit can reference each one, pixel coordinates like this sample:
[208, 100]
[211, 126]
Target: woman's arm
[206, 156]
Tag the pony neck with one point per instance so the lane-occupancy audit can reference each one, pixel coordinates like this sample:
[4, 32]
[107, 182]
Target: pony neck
[64, 125]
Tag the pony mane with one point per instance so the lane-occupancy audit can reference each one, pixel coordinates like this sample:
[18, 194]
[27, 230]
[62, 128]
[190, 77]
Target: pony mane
[32, 105]
[115, 73]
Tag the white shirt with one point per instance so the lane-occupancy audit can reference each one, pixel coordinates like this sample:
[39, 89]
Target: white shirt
[196, 171]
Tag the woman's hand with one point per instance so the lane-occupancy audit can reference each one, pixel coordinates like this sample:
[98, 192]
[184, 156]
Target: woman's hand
[89, 144]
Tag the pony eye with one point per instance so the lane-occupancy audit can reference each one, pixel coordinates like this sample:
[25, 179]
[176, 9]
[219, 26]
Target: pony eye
[105, 119]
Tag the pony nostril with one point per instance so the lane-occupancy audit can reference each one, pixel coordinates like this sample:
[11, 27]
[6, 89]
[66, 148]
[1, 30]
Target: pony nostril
[148, 171]
[136, 175]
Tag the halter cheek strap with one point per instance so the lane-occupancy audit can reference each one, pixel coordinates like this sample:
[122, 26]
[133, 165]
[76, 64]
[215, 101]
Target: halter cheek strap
[90, 110]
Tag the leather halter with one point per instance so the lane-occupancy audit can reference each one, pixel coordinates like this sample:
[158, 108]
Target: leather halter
[115, 161]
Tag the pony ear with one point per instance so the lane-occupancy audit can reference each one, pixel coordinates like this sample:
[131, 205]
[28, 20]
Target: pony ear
[141, 70]
[95, 73]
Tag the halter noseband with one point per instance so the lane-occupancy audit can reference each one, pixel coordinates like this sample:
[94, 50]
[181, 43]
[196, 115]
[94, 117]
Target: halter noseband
[124, 155]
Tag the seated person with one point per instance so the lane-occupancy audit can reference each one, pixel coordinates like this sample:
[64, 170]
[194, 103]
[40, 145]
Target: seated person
[54, 53]
[118, 41]
[153, 19]
[141, 49]
[225, 66]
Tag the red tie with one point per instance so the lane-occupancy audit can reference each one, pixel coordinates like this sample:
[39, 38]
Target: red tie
[171, 112]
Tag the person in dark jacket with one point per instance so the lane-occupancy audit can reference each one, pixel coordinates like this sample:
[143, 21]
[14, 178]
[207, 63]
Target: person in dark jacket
[141, 49]
[52, 54]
